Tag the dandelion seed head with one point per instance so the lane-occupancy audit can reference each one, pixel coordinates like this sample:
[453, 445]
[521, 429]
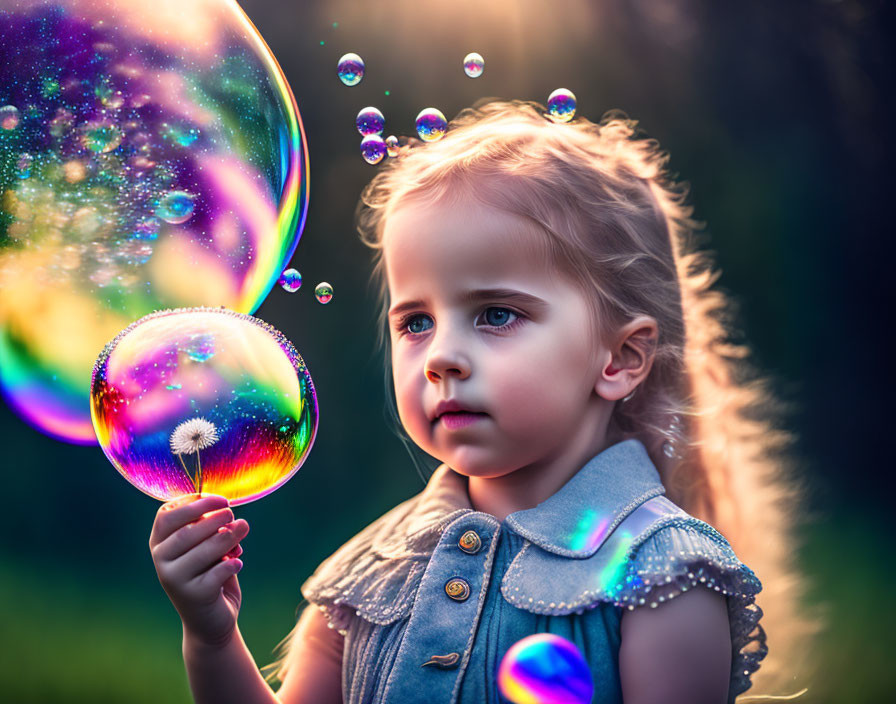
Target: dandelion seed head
[193, 435]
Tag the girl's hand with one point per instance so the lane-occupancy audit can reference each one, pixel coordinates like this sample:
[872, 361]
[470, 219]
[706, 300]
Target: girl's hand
[195, 546]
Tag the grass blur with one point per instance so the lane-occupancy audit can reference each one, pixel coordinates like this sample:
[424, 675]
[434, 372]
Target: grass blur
[68, 640]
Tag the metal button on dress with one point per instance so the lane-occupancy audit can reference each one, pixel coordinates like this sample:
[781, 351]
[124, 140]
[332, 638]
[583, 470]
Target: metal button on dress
[470, 542]
[457, 589]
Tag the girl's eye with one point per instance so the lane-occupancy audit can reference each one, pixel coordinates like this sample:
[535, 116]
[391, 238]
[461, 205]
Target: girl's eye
[418, 323]
[499, 317]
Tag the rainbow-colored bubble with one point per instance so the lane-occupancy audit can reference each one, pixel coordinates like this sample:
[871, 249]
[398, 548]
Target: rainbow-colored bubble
[545, 669]
[350, 69]
[562, 105]
[151, 157]
[323, 292]
[203, 399]
[431, 125]
[370, 121]
[373, 149]
[290, 280]
[474, 64]
[392, 145]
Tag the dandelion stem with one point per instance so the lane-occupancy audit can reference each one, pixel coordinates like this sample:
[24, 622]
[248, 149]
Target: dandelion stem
[198, 474]
[189, 476]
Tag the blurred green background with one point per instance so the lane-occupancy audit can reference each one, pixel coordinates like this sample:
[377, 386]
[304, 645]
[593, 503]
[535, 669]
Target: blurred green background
[778, 116]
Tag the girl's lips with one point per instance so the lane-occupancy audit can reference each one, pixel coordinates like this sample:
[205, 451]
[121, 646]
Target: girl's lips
[459, 419]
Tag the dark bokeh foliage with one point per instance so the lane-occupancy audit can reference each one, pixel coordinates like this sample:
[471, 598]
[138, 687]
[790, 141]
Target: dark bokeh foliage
[778, 114]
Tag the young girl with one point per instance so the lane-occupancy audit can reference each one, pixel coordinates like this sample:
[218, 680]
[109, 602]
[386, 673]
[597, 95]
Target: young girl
[555, 343]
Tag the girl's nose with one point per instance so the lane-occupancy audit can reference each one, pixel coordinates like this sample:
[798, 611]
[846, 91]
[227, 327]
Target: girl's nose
[443, 363]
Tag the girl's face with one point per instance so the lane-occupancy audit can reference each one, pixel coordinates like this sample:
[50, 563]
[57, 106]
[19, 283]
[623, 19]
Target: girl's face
[493, 356]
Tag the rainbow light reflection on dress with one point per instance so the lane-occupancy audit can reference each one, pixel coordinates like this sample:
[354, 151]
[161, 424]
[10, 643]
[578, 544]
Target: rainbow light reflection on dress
[151, 156]
[545, 669]
[230, 370]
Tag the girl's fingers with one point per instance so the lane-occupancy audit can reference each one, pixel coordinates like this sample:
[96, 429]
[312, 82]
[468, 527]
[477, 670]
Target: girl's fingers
[189, 536]
[208, 552]
[236, 552]
[181, 511]
[209, 582]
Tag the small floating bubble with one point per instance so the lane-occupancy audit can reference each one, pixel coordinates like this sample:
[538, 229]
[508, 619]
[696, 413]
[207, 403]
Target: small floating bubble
[323, 292]
[350, 69]
[370, 121]
[9, 117]
[431, 125]
[392, 145]
[290, 280]
[561, 105]
[474, 64]
[100, 136]
[23, 165]
[373, 149]
[175, 207]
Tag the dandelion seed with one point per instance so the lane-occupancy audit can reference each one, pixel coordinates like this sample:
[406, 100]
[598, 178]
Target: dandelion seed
[193, 435]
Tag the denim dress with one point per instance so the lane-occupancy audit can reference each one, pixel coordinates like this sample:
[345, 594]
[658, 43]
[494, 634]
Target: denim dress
[432, 595]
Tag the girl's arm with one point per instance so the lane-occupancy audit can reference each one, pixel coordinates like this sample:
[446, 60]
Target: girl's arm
[678, 652]
[195, 549]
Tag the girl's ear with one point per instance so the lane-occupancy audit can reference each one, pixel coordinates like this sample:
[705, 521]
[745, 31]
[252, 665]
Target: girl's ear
[628, 360]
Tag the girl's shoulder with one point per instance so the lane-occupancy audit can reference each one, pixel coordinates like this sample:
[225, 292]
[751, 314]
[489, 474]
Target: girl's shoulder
[657, 552]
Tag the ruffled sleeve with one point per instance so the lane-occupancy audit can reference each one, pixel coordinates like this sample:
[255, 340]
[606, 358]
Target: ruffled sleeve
[679, 553]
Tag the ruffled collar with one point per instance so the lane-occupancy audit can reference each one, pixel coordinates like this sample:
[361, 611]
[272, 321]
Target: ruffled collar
[573, 522]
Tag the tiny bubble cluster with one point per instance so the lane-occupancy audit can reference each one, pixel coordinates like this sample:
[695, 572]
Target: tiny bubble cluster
[175, 207]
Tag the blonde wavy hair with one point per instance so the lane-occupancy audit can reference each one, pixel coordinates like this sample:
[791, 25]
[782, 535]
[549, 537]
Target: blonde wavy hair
[618, 224]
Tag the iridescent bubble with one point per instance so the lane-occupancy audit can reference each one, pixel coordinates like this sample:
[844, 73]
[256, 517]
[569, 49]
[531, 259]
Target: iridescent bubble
[561, 105]
[203, 399]
[373, 149]
[474, 65]
[9, 117]
[350, 69]
[431, 125]
[23, 165]
[176, 207]
[120, 105]
[100, 136]
[392, 145]
[545, 669]
[370, 121]
[290, 280]
[323, 292]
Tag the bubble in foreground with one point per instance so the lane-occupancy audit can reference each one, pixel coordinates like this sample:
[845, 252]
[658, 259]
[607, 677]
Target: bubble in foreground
[561, 105]
[545, 669]
[392, 145]
[145, 164]
[373, 149]
[370, 121]
[431, 125]
[350, 69]
[203, 399]
[323, 292]
[290, 280]
[474, 64]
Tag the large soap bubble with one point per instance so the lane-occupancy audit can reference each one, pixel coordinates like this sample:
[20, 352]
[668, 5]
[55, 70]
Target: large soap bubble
[151, 157]
[545, 669]
[203, 399]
